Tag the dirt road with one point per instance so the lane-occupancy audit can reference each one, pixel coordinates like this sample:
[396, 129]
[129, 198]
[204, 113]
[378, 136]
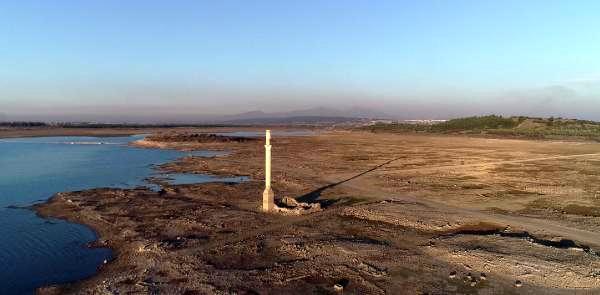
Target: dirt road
[534, 225]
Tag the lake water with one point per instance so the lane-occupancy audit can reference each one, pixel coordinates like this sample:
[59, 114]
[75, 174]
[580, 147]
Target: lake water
[34, 251]
[274, 133]
[186, 178]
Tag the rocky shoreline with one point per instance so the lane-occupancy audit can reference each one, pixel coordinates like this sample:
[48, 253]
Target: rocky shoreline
[180, 137]
[213, 239]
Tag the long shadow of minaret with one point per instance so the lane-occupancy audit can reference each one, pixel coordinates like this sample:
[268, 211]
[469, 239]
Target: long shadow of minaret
[313, 197]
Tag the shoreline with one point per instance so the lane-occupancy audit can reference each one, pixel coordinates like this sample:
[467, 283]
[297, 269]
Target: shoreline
[213, 238]
[112, 132]
[99, 232]
[57, 288]
[57, 132]
[39, 210]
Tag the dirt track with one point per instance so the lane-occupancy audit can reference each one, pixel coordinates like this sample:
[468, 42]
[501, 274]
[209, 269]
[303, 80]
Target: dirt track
[532, 224]
[545, 227]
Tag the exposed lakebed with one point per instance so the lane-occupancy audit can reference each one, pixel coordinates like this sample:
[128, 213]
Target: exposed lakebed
[36, 251]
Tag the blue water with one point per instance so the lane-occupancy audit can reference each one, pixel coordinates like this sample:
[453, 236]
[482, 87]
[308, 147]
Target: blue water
[274, 133]
[34, 251]
[188, 178]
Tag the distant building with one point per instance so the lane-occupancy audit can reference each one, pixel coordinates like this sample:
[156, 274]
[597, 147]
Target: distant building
[424, 121]
[380, 121]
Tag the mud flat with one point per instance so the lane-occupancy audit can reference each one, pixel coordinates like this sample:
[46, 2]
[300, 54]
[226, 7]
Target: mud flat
[52, 131]
[109, 131]
[404, 214]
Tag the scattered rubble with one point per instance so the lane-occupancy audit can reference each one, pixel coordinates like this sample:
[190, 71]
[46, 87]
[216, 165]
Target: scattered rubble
[290, 206]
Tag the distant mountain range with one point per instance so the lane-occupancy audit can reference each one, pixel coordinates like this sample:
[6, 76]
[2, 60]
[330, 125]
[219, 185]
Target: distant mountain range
[296, 120]
[313, 115]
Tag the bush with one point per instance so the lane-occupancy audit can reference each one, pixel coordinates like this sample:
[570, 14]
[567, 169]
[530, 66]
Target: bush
[476, 123]
[498, 125]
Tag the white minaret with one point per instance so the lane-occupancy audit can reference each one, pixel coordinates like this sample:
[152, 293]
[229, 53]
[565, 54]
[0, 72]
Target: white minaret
[268, 196]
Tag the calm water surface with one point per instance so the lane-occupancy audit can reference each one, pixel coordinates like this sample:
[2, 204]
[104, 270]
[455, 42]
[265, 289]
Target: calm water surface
[34, 251]
[187, 178]
[274, 133]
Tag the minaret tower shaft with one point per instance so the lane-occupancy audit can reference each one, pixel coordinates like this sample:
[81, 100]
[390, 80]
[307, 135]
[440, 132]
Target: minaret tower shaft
[268, 195]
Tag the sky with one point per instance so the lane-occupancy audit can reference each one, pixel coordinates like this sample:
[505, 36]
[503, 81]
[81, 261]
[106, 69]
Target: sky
[425, 59]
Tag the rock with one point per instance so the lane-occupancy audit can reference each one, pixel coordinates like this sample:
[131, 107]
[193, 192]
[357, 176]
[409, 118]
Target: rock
[312, 208]
[518, 283]
[293, 207]
[483, 277]
[452, 275]
[338, 288]
[290, 202]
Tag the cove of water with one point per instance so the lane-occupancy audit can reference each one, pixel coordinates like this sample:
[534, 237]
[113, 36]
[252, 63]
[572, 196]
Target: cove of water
[274, 133]
[188, 178]
[35, 251]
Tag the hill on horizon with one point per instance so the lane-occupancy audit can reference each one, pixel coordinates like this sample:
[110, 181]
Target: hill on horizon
[514, 126]
[313, 114]
[152, 116]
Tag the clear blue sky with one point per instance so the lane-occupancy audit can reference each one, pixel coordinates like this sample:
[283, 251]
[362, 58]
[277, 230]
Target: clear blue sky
[88, 54]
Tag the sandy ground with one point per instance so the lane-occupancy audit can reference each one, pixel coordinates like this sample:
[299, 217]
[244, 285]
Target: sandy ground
[403, 214]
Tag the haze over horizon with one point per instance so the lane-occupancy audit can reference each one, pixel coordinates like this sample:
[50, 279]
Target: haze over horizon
[179, 60]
